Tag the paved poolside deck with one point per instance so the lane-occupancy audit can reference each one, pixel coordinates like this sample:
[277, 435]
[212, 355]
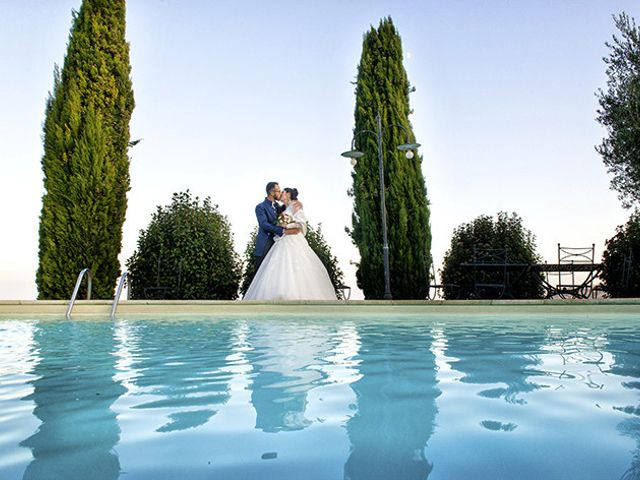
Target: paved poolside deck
[127, 307]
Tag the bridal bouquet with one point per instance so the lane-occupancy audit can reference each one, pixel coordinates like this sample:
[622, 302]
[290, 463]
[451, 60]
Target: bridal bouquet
[284, 219]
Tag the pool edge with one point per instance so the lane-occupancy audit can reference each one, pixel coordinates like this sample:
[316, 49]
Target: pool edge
[126, 307]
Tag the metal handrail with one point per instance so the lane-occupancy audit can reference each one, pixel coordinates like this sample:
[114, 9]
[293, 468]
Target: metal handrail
[116, 297]
[77, 287]
[346, 292]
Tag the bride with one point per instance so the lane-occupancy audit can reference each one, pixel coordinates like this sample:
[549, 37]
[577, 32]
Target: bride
[291, 270]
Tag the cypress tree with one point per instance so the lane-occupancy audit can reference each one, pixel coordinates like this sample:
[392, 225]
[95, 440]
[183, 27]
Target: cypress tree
[382, 86]
[85, 161]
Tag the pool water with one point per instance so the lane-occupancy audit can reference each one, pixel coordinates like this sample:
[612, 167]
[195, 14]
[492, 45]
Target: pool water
[321, 397]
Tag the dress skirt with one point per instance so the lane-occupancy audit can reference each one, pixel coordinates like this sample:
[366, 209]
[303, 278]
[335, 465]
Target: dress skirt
[291, 271]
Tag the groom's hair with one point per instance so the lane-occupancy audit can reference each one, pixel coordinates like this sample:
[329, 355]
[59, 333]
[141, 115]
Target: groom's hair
[271, 186]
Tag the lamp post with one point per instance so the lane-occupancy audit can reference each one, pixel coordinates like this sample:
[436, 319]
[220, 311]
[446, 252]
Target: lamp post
[354, 154]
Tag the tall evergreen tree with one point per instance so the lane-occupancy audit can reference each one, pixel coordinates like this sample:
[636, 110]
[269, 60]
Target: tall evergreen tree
[382, 86]
[85, 161]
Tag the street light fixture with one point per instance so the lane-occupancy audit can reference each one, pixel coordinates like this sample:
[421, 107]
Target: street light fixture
[354, 154]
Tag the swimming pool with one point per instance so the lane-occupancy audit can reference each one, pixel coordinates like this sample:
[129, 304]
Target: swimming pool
[317, 396]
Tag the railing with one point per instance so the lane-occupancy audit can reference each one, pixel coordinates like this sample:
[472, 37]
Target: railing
[77, 288]
[116, 297]
[519, 270]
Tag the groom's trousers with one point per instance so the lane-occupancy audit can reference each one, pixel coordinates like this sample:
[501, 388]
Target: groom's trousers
[259, 259]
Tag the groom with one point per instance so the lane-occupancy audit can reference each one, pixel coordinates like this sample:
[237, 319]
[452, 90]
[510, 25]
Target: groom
[267, 214]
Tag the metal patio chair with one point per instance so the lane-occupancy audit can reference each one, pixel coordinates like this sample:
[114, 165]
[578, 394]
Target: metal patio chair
[575, 256]
[490, 272]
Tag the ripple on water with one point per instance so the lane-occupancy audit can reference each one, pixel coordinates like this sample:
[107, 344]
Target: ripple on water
[256, 397]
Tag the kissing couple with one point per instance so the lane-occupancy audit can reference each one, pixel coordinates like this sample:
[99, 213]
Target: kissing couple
[286, 266]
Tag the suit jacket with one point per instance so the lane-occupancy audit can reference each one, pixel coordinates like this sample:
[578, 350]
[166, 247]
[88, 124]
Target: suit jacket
[267, 216]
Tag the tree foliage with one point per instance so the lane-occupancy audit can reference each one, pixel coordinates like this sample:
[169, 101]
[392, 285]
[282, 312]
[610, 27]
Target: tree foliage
[382, 86]
[318, 244]
[621, 260]
[85, 161]
[484, 233]
[186, 252]
[619, 111]
[249, 263]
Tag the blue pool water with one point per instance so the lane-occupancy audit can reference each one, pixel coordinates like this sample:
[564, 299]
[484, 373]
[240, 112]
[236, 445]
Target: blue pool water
[321, 397]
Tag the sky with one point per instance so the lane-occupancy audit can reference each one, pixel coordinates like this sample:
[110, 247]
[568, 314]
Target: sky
[233, 94]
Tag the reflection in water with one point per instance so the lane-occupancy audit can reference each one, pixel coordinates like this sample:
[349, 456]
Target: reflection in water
[356, 397]
[73, 393]
[396, 406]
[491, 356]
[626, 349]
[578, 354]
[180, 367]
[18, 356]
[287, 364]
[496, 426]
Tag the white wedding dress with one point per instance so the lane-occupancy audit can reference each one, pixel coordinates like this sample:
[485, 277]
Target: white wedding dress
[291, 270]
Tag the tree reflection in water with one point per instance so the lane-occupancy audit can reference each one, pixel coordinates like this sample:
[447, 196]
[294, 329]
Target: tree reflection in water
[396, 405]
[625, 345]
[496, 356]
[184, 365]
[73, 394]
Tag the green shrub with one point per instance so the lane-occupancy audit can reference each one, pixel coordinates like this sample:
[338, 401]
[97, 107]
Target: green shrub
[249, 262]
[186, 253]
[621, 269]
[317, 243]
[485, 233]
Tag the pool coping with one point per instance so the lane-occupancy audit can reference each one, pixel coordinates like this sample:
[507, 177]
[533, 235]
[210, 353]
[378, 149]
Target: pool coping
[126, 307]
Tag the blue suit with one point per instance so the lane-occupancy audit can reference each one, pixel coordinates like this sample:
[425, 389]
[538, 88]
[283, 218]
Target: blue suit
[267, 215]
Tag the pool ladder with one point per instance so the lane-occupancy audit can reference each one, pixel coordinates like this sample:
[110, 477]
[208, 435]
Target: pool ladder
[77, 288]
[116, 297]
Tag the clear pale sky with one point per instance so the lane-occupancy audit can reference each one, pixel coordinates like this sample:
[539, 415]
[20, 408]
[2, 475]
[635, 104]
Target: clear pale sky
[232, 94]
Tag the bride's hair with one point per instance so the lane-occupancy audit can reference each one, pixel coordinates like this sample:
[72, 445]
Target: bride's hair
[293, 192]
